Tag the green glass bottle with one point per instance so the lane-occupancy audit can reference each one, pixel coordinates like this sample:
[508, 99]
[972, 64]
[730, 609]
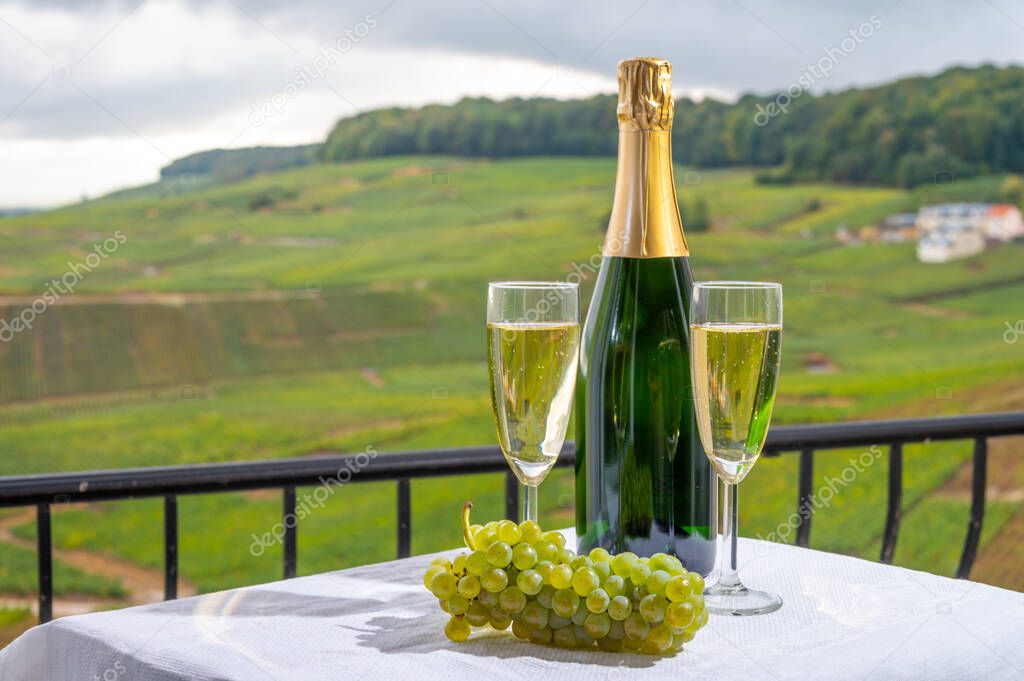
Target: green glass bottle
[643, 483]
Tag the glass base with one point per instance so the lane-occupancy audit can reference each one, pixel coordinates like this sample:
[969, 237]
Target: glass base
[739, 600]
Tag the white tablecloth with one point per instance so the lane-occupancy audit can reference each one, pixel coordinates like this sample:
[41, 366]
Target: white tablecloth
[843, 618]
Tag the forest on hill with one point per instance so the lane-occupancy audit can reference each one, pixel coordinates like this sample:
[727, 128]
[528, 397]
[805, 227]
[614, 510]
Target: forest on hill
[964, 122]
[961, 123]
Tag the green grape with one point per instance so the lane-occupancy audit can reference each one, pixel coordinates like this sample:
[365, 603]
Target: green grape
[544, 568]
[546, 551]
[679, 615]
[541, 635]
[657, 581]
[697, 581]
[458, 605]
[459, 564]
[597, 624]
[583, 639]
[469, 586]
[632, 643]
[561, 577]
[599, 555]
[476, 563]
[581, 562]
[616, 630]
[432, 571]
[499, 619]
[636, 626]
[623, 563]
[580, 615]
[443, 605]
[488, 598]
[565, 602]
[444, 585]
[529, 531]
[652, 607]
[555, 538]
[603, 570]
[508, 532]
[457, 629]
[566, 556]
[660, 561]
[619, 608]
[478, 614]
[512, 600]
[494, 579]
[638, 593]
[520, 630]
[524, 556]
[614, 585]
[687, 636]
[556, 621]
[678, 588]
[547, 592]
[565, 637]
[584, 580]
[473, 529]
[696, 600]
[491, 525]
[660, 637]
[530, 582]
[443, 562]
[499, 554]
[597, 600]
[677, 643]
[639, 574]
[535, 615]
[609, 645]
[698, 622]
[484, 538]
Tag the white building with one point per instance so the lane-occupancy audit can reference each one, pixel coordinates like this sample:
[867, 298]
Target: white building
[998, 221]
[1003, 222]
[945, 244]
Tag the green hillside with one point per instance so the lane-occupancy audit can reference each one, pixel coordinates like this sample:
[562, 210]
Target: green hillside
[342, 306]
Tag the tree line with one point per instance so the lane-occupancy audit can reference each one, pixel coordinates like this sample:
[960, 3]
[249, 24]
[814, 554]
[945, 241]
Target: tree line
[959, 123]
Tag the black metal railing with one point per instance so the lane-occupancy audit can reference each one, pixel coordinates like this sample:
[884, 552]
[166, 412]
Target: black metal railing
[169, 482]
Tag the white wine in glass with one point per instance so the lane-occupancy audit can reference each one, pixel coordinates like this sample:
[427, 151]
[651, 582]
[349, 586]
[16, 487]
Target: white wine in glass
[735, 336]
[737, 370]
[533, 335]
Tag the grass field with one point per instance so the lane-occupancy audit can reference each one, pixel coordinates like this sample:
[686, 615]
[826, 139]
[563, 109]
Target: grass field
[339, 307]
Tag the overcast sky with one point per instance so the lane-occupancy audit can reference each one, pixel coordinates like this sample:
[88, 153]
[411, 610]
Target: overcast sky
[97, 95]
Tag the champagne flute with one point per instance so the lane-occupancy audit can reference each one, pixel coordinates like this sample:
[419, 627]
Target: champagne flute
[533, 336]
[736, 335]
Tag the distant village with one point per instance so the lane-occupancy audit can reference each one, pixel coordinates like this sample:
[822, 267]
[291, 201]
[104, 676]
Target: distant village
[947, 231]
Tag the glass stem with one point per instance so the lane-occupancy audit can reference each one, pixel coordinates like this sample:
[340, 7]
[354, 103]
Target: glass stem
[729, 576]
[528, 502]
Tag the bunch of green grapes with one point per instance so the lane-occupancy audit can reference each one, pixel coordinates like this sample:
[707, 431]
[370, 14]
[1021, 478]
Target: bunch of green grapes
[519, 576]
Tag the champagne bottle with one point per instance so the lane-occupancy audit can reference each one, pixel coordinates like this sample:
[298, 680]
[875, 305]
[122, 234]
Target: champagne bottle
[643, 483]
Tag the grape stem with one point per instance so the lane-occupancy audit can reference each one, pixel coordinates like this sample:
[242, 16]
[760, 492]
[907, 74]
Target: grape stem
[466, 533]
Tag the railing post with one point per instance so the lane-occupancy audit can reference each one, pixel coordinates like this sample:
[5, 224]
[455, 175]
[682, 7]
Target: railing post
[44, 548]
[404, 519]
[894, 511]
[511, 496]
[170, 547]
[979, 479]
[803, 507]
[290, 521]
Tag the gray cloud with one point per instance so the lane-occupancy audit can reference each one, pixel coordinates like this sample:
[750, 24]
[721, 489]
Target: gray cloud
[725, 44]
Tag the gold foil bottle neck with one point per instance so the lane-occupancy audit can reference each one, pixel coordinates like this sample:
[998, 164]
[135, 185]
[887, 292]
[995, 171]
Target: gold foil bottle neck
[645, 214]
[645, 94]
